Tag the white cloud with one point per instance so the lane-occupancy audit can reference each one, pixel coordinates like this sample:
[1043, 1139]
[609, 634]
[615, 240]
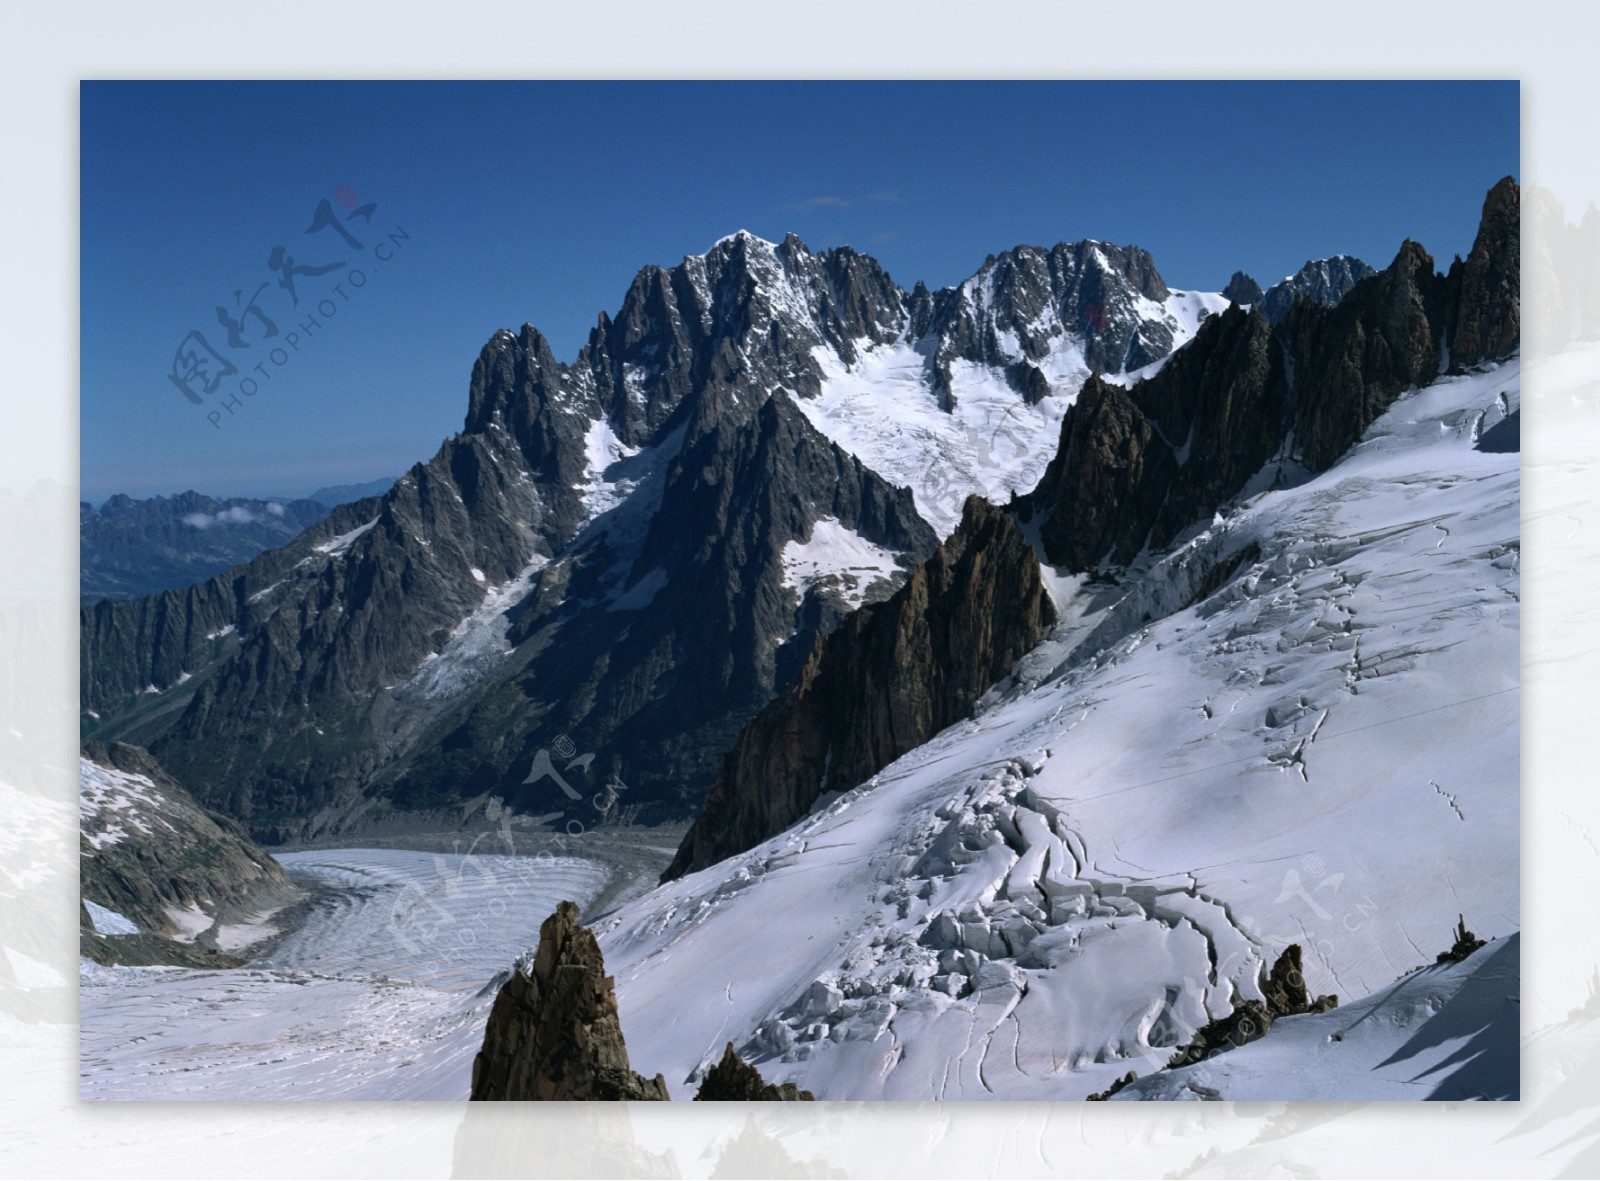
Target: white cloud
[237, 515]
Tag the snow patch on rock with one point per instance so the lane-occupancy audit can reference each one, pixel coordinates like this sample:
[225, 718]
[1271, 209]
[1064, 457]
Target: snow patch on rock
[838, 556]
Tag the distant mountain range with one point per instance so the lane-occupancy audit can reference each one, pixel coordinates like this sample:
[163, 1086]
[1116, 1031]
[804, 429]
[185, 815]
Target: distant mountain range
[1325, 281]
[337, 494]
[129, 548]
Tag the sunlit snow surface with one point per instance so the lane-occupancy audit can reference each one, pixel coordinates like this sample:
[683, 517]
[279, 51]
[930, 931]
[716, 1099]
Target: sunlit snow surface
[1448, 1032]
[883, 410]
[1324, 751]
[381, 995]
[835, 554]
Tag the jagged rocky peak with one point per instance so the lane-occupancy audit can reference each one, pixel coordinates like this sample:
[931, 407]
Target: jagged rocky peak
[733, 1080]
[1242, 289]
[553, 1032]
[1024, 300]
[1325, 281]
[1102, 491]
[1488, 324]
[1137, 467]
[892, 675]
[747, 312]
[1351, 361]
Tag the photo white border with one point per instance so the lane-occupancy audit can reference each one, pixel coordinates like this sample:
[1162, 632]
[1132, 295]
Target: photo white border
[45, 1131]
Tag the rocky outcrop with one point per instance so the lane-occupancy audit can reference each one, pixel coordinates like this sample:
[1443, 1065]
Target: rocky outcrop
[1101, 493]
[1488, 318]
[892, 675]
[160, 876]
[1285, 987]
[1242, 289]
[733, 1080]
[1465, 944]
[1137, 467]
[553, 1032]
[1286, 996]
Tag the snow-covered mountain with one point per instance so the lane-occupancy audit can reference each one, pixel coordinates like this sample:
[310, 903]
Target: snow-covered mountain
[631, 553]
[1320, 750]
[1323, 280]
[937, 408]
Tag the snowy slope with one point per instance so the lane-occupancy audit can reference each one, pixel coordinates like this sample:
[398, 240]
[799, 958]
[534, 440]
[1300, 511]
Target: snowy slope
[1323, 751]
[1447, 1032]
[836, 555]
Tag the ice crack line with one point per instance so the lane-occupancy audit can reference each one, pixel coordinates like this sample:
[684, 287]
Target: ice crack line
[1449, 799]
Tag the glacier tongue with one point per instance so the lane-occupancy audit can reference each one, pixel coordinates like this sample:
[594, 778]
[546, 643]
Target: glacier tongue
[1323, 750]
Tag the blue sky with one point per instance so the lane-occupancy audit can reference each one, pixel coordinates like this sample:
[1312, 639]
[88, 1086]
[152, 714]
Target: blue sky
[503, 203]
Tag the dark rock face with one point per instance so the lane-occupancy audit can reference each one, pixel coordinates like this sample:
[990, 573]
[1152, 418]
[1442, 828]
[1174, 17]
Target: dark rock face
[553, 1032]
[1102, 492]
[1242, 289]
[129, 548]
[1324, 281]
[154, 850]
[1352, 361]
[711, 630]
[733, 1080]
[1137, 467]
[1488, 322]
[887, 680]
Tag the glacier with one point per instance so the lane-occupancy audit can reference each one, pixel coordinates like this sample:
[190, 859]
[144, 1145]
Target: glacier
[380, 994]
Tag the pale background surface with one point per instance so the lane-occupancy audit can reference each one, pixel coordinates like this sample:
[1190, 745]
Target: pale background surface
[44, 1131]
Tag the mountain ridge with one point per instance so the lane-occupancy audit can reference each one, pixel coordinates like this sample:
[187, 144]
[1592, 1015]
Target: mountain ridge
[414, 648]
